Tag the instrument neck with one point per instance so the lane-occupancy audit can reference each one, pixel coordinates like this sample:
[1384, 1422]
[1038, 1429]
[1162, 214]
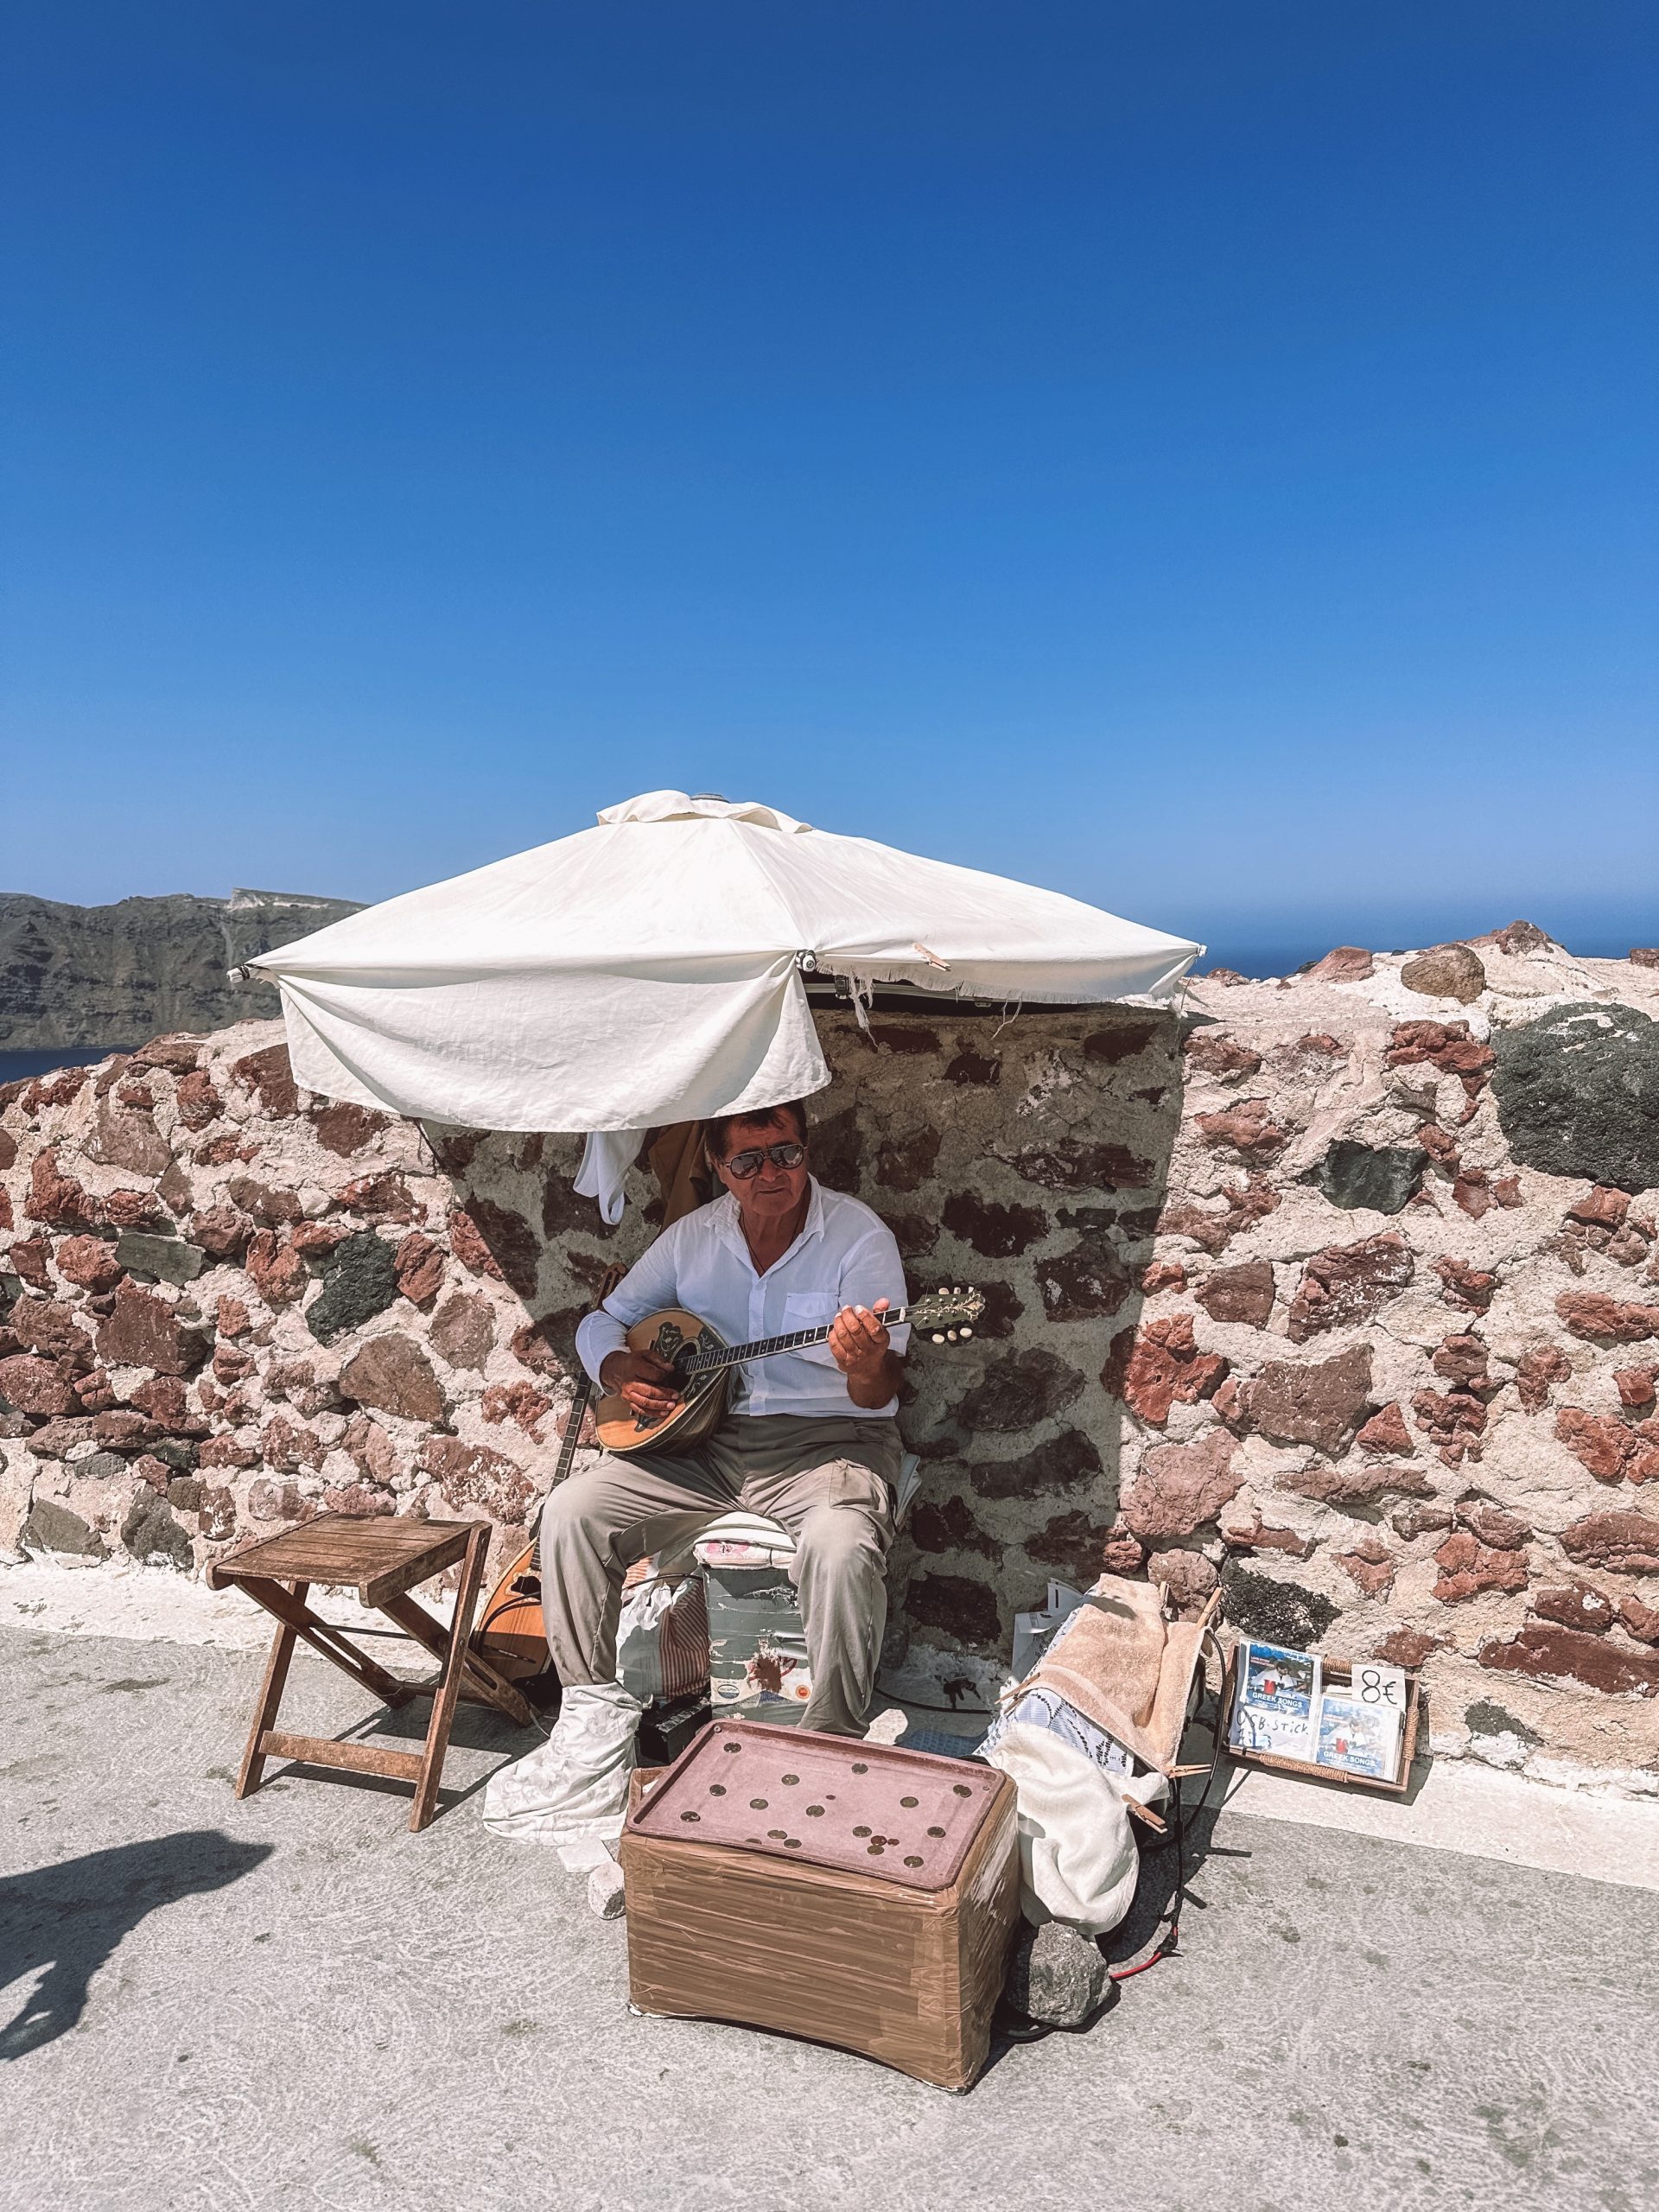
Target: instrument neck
[710, 1362]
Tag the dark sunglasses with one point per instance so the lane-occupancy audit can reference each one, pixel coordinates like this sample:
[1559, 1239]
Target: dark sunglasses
[744, 1164]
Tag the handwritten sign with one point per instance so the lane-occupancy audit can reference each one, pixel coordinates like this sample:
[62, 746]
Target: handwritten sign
[1377, 1684]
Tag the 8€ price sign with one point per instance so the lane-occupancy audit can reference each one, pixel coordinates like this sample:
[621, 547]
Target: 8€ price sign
[1381, 1687]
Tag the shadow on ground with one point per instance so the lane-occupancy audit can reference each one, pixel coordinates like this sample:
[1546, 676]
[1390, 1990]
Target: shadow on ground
[70, 1917]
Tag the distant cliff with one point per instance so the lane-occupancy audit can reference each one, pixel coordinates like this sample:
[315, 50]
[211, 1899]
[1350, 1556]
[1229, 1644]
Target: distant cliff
[92, 976]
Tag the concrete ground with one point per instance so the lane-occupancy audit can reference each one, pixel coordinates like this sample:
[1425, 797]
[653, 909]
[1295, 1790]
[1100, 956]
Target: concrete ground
[293, 2002]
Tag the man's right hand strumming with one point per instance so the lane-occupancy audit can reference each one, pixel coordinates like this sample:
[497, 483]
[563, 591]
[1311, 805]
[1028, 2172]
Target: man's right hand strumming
[644, 1381]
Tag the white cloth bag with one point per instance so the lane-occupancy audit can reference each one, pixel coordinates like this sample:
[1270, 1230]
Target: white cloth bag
[1078, 1857]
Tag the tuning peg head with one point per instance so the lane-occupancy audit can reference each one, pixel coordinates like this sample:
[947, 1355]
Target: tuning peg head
[939, 1336]
[950, 1336]
[966, 1333]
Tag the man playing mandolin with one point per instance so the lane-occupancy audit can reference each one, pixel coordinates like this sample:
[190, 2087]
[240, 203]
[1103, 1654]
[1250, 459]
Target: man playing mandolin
[809, 1440]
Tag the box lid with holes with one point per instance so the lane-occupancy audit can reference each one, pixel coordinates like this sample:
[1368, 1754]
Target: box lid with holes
[827, 1801]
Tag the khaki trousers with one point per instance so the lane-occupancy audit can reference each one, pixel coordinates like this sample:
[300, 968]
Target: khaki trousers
[828, 1482]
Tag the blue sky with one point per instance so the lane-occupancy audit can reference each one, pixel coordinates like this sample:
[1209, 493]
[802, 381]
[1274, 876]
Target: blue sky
[1201, 457]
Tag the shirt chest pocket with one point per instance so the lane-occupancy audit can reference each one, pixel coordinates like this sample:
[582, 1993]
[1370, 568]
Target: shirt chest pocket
[811, 1309]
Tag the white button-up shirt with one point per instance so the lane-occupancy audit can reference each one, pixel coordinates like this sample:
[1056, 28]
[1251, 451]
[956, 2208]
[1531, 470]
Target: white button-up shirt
[844, 1256]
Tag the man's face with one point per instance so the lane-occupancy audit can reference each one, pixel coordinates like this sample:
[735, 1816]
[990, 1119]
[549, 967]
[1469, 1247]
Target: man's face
[772, 1192]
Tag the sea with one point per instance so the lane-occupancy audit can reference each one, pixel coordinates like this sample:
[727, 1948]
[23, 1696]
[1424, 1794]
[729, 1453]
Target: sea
[13, 1064]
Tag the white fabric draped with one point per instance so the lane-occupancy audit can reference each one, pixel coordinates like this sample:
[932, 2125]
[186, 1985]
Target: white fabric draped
[650, 969]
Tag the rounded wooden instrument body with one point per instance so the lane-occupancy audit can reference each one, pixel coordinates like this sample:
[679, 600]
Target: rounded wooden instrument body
[673, 1335]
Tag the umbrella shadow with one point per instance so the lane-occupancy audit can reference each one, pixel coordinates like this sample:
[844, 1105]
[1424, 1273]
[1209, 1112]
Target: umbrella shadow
[70, 1918]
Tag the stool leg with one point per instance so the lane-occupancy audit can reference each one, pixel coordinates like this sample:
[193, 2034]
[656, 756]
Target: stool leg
[443, 1704]
[270, 1697]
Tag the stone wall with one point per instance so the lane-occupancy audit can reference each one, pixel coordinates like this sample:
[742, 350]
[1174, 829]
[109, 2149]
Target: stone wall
[1340, 1289]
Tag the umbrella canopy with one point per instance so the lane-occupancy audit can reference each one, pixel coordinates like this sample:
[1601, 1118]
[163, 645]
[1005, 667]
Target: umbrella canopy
[651, 969]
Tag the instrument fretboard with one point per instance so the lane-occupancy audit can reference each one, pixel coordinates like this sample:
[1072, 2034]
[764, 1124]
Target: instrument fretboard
[709, 1363]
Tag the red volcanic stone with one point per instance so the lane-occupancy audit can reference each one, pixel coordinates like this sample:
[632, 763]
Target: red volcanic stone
[28, 1259]
[1247, 1129]
[8, 1150]
[56, 1199]
[1242, 1293]
[163, 1398]
[1215, 1054]
[463, 1333]
[1087, 1283]
[1627, 1544]
[1472, 1193]
[1599, 1442]
[230, 1318]
[1152, 1368]
[1491, 1525]
[1637, 1619]
[1468, 1567]
[516, 1402]
[1448, 1046]
[1081, 1547]
[949, 1525]
[372, 1449]
[1357, 1485]
[343, 1129]
[1575, 1604]
[380, 1198]
[974, 1067]
[1062, 1464]
[270, 1078]
[269, 1500]
[221, 1232]
[1439, 1144]
[272, 1207]
[1343, 963]
[311, 1239]
[419, 1265]
[394, 1374]
[1182, 1487]
[1539, 1367]
[998, 1231]
[1600, 1208]
[1551, 1654]
[1454, 1421]
[1462, 1359]
[1591, 1314]
[1462, 1285]
[232, 1363]
[227, 1145]
[177, 1052]
[1186, 1578]
[957, 1606]
[1162, 1275]
[1636, 1386]
[1407, 1647]
[359, 1500]
[1241, 1208]
[48, 1327]
[1414, 1521]
[1256, 1536]
[7, 1219]
[90, 1261]
[37, 1386]
[132, 1209]
[276, 1269]
[906, 1163]
[226, 1452]
[467, 1243]
[1320, 1404]
[1348, 1283]
[144, 1331]
[124, 1429]
[1018, 1390]
[1370, 1565]
[198, 1102]
[54, 1090]
[1071, 1165]
[1386, 1431]
[470, 1474]
[289, 1447]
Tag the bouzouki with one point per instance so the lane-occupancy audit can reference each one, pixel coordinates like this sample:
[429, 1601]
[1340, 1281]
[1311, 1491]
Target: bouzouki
[702, 1364]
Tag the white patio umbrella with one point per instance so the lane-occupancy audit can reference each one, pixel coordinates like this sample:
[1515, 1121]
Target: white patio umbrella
[651, 969]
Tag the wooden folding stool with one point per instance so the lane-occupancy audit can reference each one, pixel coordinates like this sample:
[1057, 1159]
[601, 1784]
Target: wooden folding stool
[384, 1558]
